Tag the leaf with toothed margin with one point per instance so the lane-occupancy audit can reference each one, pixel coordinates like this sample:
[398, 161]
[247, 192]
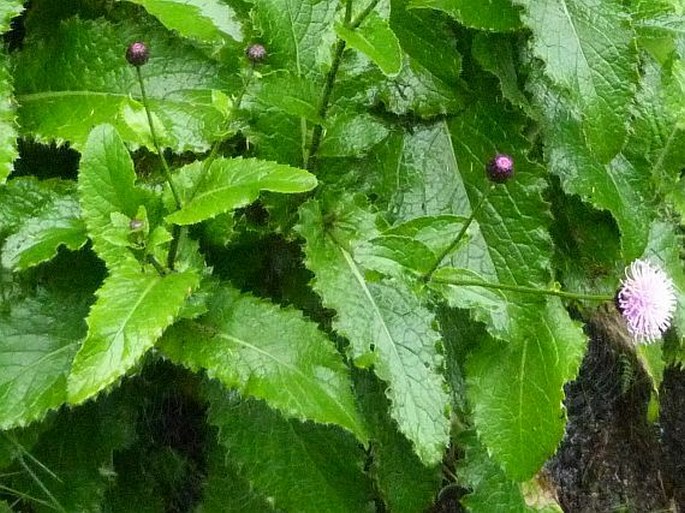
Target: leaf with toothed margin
[384, 321]
[303, 467]
[375, 39]
[40, 336]
[588, 50]
[270, 353]
[132, 311]
[499, 15]
[232, 183]
[81, 79]
[8, 129]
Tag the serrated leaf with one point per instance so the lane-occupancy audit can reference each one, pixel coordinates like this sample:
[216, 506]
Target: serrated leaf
[8, 10]
[106, 186]
[291, 94]
[375, 39]
[296, 32]
[404, 482]
[351, 135]
[384, 321]
[270, 353]
[132, 311]
[40, 336]
[81, 79]
[205, 21]
[38, 238]
[307, 467]
[490, 489]
[498, 15]
[588, 50]
[8, 128]
[233, 183]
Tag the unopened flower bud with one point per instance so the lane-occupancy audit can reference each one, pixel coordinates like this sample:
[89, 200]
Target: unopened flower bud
[256, 52]
[500, 168]
[137, 53]
[135, 225]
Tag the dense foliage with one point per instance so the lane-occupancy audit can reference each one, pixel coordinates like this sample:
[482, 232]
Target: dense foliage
[281, 280]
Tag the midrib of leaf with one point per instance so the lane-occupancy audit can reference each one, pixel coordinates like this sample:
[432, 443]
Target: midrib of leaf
[51, 95]
[295, 41]
[141, 297]
[664, 151]
[43, 358]
[280, 362]
[522, 369]
[580, 46]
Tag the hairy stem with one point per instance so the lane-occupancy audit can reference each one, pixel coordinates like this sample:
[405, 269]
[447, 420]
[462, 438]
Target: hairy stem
[460, 235]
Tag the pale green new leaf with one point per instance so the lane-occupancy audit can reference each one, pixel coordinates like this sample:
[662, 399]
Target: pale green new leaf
[270, 353]
[81, 79]
[498, 15]
[303, 467]
[38, 238]
[375, 39]
[385, 323]
[588, 50]
[107, 185]
[8, 129]
[132, 311]
[40, 336]
[205, 21]
[232, 183]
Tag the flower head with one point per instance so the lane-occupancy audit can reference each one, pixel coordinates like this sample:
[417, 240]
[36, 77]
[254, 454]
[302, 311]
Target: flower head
[256, 52]
[647, 301]
[137, 53]
[500, 168]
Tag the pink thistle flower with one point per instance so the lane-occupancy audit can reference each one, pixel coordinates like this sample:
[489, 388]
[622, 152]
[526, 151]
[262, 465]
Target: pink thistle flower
[647, 301]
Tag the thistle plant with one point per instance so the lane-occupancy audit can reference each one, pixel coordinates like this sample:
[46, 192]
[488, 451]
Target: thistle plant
[342, 269]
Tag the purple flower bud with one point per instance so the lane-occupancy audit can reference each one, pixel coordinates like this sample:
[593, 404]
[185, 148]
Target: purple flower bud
[256, 53]
[500, 168]
[137, 53]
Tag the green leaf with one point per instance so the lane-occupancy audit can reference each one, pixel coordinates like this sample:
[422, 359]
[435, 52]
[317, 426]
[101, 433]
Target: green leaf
[405, 483]
[351, 135]
[298, 33]
[107, 185]
[232, 183]
[132, 311]
[307, 467]
[491, 489]
[81, 79]
[40, 336]
[589, 51]
[39, 237]
[8, 10]
[291, 94]
[384, 322]
[618, 187]
[8, 130]
[375, 39]
[269, 353]
[205, 21]
[499, 15]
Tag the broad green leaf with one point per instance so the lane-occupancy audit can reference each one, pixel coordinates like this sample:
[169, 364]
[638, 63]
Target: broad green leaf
[107, 185]
[351, 135]
[302, 467]
[298, 33]
[404, 482]
[498, 15]
[385, 324]
[232, 183]
[490, 488]
[8, 10]
[619, 187]
[291, 94]
[8, 130]
[270, 353]
[205, 21]
[427, 37]
[81, 79]
[40, 336]
[38, 238]
[375, 39]
[132, 311]
[588, 50]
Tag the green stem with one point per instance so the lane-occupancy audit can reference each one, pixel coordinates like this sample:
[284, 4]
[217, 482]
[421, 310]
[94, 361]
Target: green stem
[460, 235]
[525, 290]
[155, 141]
[317, 133]
[158, 267]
